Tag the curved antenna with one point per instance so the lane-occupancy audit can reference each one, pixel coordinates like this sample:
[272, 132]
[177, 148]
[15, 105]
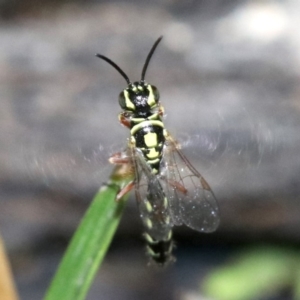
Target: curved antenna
[115, 66]
[149, 57]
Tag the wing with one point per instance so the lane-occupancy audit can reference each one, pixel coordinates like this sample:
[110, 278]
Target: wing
[152, 202]
[191, 199]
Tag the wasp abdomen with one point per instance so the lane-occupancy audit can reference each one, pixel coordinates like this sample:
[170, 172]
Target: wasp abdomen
[160, 251]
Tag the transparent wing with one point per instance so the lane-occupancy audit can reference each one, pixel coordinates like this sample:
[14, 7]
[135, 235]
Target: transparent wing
[152, 202]
[191, 199]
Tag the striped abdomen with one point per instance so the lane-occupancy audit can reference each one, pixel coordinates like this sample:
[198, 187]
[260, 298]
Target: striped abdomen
[160, 251]
[155, 215]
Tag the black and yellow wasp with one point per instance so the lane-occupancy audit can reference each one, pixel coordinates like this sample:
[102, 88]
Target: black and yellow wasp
[169, 190]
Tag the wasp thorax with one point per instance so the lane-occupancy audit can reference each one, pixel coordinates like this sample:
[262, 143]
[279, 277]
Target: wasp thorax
[139, 97]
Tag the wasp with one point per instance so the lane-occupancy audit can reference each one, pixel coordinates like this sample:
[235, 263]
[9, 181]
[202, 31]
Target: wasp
[169, 190]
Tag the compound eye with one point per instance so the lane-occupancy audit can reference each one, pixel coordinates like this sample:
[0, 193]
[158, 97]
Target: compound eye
[122, 100]
[125, 100]
[155, 93]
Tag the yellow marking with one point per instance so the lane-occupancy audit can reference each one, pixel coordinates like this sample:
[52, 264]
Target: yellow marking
[153, 117]
[148, 206]
[128, 102]
[167, 220]
[169, 236]
[151, 252]
[140, 88]
[165, 203]
[165, 133]
[152, 162]
[150, 139]
[151, 100]
[148, 223]
[152, 153]
[132, 139]
[154, 171]
[137, 120]
[149, 239]
[139, 126]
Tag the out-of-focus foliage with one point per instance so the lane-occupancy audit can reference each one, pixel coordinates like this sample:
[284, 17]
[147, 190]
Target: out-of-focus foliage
[254, 273]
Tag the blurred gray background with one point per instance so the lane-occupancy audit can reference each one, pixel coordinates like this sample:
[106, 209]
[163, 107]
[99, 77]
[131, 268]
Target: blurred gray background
[228, 75]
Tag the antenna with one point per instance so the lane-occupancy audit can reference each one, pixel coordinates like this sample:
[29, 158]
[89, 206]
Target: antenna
[149, 57]
[115, 66]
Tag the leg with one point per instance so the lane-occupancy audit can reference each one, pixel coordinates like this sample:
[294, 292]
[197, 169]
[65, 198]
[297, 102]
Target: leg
[119, 159]
[124, 119]
[124, 169]
[126, 189]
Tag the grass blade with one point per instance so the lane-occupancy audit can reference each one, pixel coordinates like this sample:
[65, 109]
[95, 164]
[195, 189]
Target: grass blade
[91, 241]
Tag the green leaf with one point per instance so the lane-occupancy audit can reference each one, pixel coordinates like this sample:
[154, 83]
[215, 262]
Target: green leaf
[91, 241]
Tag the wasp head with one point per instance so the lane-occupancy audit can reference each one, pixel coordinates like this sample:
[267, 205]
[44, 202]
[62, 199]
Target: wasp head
[139, 98]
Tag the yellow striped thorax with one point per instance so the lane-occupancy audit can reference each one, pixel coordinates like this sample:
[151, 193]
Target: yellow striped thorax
[139, 99]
